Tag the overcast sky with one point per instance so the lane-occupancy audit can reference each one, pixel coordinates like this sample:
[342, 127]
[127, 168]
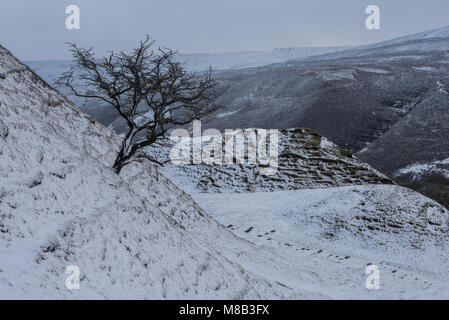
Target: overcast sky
[35, 29]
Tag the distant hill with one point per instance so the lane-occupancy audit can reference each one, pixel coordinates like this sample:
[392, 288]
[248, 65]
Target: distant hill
[415, 150]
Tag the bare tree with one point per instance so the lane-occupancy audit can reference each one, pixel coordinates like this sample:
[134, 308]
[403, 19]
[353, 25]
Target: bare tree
[149, 90]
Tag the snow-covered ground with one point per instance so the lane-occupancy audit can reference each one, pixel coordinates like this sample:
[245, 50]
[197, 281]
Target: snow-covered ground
[336, 232]
[134, 236]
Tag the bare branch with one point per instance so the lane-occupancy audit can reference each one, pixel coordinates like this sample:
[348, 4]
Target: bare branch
[148, 88]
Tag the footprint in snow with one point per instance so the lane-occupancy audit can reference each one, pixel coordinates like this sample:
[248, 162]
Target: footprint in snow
[249, 229]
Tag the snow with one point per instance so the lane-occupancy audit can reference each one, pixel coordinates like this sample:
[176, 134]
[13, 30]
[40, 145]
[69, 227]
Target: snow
[374, 70]
[226, 114]
[134, 236]
[419, 169]
[425, 69]
[333, 75]
[442, 88]
[306, 160]
[434, 33]
[326, 144]
[336, 232]
[433, 40]
[249, 59]
[139, 236]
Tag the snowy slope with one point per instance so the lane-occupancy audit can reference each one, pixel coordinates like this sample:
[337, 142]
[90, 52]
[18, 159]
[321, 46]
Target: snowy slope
[135, 236]
[249, 59]
[337, 232]
[431, 40]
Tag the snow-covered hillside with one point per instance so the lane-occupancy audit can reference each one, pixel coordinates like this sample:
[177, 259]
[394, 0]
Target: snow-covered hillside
[249, 59]
[135, 236]
[140, 236]
[337, 232]
[417, 44]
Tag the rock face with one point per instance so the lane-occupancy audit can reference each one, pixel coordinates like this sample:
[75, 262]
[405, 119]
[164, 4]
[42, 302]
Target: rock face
[306, 161]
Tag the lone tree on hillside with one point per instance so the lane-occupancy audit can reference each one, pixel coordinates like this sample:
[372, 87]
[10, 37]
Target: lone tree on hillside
[148, 89]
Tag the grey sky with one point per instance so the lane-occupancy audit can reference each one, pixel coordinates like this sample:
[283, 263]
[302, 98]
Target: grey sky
[35, 29]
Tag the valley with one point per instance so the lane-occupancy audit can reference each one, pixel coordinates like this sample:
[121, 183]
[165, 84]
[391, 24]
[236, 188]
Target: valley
[356, 126]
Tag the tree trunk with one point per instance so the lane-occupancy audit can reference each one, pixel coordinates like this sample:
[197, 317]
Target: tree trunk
[117, 166]
[119, 161]
[117, 169]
